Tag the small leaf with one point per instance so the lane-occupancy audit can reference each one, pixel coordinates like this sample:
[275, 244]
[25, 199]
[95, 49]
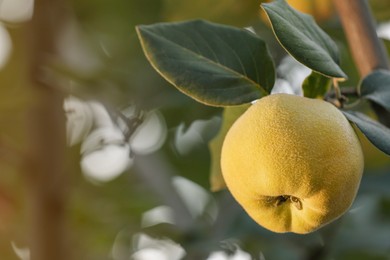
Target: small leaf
[304, 39]
[376, 87]
[316, 85]
[230, 115]
[378, 134]
[215, 64]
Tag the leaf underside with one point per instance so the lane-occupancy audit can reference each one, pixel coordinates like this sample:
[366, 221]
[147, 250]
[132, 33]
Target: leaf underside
[230, 115]
[304, 39]
[376, 87]
[376, 133]
[316, 85]
[215, 64]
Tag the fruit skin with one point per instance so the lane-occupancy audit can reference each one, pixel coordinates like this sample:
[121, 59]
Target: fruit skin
[293, 163]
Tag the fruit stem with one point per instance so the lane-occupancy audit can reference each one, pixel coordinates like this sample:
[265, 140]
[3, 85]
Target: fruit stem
[336, 88]
[339, 98]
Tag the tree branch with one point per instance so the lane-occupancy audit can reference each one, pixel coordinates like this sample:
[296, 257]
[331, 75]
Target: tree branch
[367, 50]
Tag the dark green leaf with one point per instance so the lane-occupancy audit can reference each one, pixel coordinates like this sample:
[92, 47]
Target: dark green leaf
[378, 134]
[214, 64]
[304, 39]
[316, 85]
[230, 115]
[376, 87]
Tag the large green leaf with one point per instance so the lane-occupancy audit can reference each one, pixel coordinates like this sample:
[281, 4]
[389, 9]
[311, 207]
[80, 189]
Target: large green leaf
[214, 64]
[376, 87]
[304, 39]
[378, 134]
[315, 85]
[230, 115]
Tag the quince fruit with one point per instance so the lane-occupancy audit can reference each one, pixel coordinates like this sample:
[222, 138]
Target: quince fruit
[293, 163]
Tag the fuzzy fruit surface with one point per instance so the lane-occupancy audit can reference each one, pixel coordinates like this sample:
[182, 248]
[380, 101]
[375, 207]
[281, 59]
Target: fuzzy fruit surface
[293, 163]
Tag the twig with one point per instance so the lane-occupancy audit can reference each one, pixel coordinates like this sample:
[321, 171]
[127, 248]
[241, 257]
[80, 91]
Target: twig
[157, 173]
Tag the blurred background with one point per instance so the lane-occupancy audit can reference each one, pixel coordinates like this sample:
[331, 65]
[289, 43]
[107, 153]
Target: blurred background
[100, 158]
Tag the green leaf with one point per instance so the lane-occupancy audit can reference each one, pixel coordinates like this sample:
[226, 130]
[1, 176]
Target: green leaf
[215, 64]
[376, 87]
[304, 39]
[229, 116]
[378, 134]
[316, 85]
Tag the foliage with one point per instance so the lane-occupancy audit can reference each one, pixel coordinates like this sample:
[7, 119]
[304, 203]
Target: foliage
[230, 115]
[316, 85]
[297, 33]
[304, 39]
[374, 87]
[190, 56]
[374, 131]
[100, 59]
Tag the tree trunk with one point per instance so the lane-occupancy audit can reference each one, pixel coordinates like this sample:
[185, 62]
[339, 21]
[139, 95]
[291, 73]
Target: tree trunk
[45, 167]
